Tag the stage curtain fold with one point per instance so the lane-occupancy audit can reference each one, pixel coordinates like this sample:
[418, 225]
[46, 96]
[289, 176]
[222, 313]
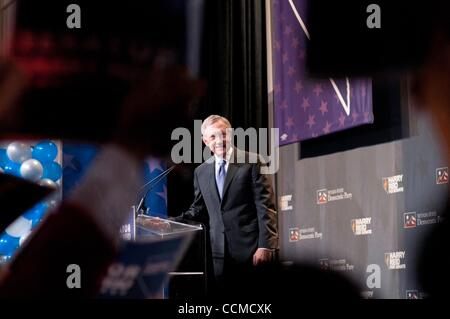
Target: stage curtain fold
[234, 61]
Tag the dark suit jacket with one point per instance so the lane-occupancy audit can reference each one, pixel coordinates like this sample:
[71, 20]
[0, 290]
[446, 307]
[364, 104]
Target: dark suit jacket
[246, 217]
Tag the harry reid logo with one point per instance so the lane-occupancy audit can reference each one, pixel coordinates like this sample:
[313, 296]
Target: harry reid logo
[394, 259]
[294, 234]
[285, 203]
[442, 175]
[410, 220]
[393, 184]
[322, 196]
[360, 226]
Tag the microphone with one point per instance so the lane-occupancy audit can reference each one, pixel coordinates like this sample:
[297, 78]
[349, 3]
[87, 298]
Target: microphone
[153, 182]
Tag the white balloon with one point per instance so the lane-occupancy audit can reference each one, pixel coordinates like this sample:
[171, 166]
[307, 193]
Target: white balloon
[24, 238]
[32, 170]
[53, 203]
[20, 227]
[48, 183]
[18, 152]
[1, 170]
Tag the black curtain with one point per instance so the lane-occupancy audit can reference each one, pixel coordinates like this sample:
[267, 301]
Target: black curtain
[234, 62]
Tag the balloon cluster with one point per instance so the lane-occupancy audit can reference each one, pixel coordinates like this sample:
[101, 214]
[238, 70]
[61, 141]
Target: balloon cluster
[35, 163]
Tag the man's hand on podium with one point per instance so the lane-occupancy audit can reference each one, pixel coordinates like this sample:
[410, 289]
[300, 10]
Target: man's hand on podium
[155, 223]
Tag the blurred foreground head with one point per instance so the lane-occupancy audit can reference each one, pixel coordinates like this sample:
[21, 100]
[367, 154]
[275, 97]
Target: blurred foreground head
[158, 101]
[431, 86]
[121, 76]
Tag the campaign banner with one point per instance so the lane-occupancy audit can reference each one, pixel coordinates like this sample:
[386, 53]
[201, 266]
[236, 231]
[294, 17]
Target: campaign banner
[304, 107]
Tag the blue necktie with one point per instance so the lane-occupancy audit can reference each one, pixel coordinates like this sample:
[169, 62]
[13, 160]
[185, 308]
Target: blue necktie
[220, 177]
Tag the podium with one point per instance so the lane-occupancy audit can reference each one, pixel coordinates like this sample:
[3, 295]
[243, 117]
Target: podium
[189, 280]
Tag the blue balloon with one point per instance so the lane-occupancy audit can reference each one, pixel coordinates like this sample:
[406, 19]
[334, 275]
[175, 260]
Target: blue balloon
[36, 213]
[3, 157]
[12, 168]
[8, 244]
[52, 171]
[45, 151]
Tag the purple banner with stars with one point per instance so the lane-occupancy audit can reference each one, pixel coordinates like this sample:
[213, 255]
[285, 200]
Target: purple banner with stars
[307, 108]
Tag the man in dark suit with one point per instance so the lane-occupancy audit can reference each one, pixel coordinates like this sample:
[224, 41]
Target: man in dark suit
[238, 200]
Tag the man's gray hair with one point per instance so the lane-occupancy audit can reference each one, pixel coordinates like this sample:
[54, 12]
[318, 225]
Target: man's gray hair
[213, 119]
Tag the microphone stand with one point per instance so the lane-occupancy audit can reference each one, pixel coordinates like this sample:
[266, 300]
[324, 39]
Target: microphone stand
[153, 182]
